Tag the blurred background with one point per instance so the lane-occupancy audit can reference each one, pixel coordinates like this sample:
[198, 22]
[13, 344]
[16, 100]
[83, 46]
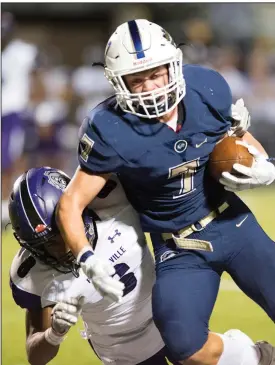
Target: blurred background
[49, 84]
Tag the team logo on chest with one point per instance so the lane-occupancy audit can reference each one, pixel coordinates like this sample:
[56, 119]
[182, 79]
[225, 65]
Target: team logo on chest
[180, 146]
[112, 238]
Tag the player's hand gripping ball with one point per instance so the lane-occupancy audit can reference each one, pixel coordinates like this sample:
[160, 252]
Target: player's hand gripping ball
[225, 154]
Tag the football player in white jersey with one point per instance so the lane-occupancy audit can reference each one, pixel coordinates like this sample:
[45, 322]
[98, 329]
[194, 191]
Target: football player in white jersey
[46, 280]
[48, 283]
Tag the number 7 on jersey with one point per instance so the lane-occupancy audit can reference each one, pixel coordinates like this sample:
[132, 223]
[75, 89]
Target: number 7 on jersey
[85, 145]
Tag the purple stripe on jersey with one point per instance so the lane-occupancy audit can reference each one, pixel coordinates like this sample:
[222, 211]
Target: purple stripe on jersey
[24, 299]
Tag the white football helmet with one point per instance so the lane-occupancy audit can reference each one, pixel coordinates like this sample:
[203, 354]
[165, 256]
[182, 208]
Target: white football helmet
[136, 46]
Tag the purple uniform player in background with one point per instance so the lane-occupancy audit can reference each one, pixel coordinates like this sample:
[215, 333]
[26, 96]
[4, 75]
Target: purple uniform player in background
[20, 84]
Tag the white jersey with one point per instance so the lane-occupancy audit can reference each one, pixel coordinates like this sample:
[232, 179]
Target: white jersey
[121, 333]
[18, 59]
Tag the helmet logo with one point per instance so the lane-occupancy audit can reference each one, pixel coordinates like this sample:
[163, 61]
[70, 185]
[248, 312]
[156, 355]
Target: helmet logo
[56, 179]
[90, 232]
[141, 62]
[40, 228]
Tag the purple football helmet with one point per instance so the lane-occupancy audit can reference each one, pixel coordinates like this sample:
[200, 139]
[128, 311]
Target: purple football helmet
[32, 207]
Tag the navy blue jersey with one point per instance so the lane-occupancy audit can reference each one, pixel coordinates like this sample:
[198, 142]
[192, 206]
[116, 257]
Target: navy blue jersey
[164, 173]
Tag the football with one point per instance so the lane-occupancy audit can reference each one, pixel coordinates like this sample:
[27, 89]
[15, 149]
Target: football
[225, 154]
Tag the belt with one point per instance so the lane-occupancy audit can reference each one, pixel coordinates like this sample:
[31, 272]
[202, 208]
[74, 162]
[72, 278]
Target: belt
[182, 242]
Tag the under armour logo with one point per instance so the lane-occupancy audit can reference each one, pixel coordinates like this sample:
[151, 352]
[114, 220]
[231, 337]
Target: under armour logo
[116, 234]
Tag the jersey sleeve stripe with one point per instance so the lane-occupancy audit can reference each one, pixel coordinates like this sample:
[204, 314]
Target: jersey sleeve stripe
[25, 299]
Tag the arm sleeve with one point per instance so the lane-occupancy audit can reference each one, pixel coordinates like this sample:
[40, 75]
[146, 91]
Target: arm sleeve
[95, 154]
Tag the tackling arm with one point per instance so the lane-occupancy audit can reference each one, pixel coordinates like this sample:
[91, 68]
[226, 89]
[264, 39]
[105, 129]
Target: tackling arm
[248, 138]
[82, 189]
[39, 350]
[46, 329]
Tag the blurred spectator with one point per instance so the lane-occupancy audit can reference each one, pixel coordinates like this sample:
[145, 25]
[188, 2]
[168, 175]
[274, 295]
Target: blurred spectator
[47, 121]
[88, 82]
[264, 25]
[260, 97]
[232, 22]
[199, 38]
[227, 61]
[21, 85]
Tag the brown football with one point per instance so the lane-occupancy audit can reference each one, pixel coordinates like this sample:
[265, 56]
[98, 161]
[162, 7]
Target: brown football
[225, 154]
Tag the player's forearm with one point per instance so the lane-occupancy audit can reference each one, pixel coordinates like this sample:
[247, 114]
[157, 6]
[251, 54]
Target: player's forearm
[253, 141]
[70, 224]
[82, 189]
[39, 350]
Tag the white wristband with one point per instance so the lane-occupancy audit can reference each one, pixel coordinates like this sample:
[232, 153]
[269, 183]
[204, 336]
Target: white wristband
[52, 338]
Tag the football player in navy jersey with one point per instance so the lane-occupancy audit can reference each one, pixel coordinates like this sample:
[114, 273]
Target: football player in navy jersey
[157, 133]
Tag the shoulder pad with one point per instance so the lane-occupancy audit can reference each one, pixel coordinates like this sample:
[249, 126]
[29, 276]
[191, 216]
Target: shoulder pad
[212, 87]
[28, 278]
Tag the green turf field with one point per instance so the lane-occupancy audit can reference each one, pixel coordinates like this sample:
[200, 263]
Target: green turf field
[232, 310]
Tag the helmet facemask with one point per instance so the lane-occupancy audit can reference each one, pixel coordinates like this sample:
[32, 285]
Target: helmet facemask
[159, 49]
[41, 248]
